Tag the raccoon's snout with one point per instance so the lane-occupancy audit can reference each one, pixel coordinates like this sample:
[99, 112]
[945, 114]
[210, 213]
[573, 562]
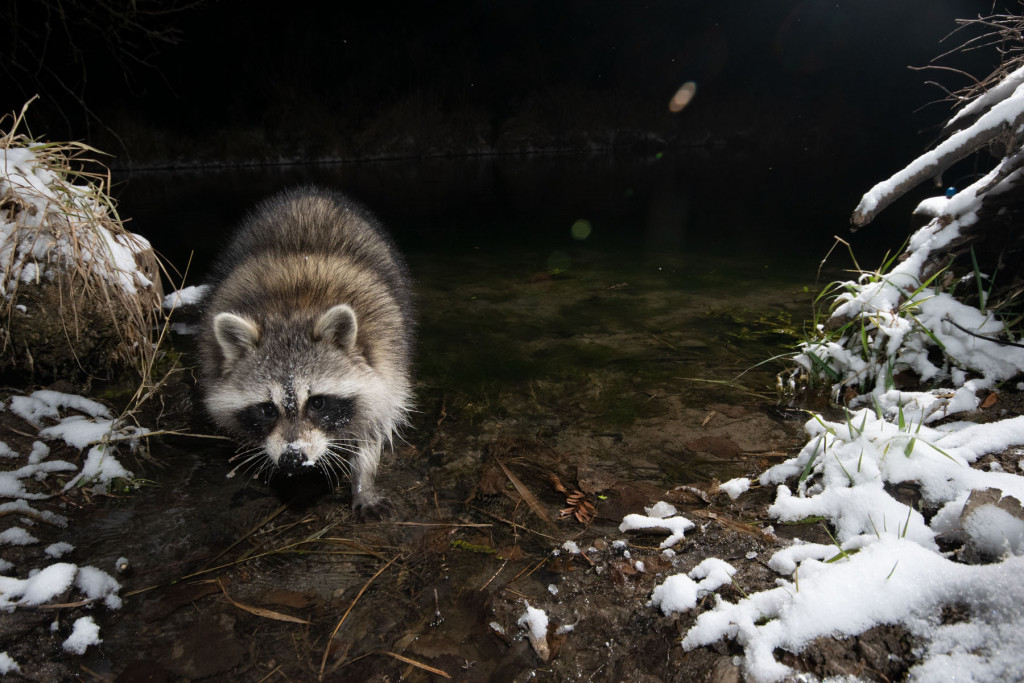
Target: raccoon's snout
[291, 459]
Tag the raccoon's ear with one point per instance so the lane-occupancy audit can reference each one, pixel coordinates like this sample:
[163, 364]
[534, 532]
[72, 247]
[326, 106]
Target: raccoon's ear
[339, 325]
[237, 336]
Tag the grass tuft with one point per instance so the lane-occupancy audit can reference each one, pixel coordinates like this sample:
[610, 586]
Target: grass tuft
[71, 275]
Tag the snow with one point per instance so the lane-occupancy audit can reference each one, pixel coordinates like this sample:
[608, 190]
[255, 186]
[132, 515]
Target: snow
[15, 535]
[1006, 111]
[994, 532]
[39, 588]
[1006, 87]
[680, 592]
[8, 665]
[734, 487]
[39, 236]
[659, 516]
[96, 584]
[100, 468]
[186, 296]
[661, 510]
[79, 423]
[84, 633]
[885, 566]
[49, 583]
[535, 621]
[48, 404]
[78, 431]
[59, 549]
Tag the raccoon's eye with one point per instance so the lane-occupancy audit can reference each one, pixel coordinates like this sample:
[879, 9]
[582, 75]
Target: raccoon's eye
[259, 418]
[330, 412]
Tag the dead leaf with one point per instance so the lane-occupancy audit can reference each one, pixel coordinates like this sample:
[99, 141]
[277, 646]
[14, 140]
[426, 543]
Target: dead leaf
[990, 400]
[580, 507]
[531, 500]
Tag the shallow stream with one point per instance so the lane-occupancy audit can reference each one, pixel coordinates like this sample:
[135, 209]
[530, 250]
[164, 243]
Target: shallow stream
[589, 330]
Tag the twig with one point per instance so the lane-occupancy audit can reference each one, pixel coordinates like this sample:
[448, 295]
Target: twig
[327, 648]
[161, 432]
[259, 611]
[266, 520]
[994, 340]
[494, 576]
[401, 658]
[512, 524]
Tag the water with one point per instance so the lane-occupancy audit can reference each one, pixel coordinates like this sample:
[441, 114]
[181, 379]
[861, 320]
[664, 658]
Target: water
[589, 284]
[616, 363]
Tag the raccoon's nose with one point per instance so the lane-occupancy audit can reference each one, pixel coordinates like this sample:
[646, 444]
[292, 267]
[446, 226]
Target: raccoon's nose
[291, 459]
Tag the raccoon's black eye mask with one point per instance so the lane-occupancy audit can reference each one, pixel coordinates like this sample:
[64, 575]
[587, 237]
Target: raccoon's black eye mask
[259, 418]
[330, 413]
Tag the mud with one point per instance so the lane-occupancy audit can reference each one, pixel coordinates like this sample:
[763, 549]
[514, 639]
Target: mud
[552, 402]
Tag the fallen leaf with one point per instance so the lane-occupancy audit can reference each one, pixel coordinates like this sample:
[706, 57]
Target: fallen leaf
[261, 612]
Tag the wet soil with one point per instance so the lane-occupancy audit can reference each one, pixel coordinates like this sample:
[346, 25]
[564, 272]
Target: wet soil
[553, 401]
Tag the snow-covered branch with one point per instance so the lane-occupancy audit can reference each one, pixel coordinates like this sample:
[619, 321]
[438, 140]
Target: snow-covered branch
[1004, 115]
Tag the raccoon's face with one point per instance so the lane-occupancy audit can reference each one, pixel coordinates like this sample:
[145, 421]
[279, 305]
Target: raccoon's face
[296, 428]
[297, 394]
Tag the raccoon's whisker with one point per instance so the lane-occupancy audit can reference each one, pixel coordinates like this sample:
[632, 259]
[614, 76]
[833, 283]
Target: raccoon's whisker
[327, 466]
[255, 459]
[337, 460]
[347, 446]
[246, 453]
[249, 460]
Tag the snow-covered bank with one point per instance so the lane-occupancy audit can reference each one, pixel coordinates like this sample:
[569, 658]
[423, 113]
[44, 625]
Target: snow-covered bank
[80, 295]
[957, 543]
[37, 485]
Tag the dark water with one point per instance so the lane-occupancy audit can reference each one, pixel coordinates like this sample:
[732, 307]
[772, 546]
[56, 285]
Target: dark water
[565, 285]
[770, 211]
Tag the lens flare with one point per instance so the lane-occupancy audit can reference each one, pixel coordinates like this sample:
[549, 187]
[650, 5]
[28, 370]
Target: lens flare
[682, 97]
[581, 229]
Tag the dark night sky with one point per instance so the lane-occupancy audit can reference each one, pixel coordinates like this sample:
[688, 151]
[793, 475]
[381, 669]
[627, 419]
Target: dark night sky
[774, 67]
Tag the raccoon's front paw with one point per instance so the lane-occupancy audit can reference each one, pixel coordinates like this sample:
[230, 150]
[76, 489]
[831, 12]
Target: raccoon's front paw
[373, 509]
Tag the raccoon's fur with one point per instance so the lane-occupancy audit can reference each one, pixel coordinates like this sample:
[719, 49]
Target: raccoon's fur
[306, 338]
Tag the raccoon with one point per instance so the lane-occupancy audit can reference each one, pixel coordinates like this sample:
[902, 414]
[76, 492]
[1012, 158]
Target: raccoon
[305, 340]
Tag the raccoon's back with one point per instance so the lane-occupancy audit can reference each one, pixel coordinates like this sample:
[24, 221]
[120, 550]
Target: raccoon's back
[311, 220]
[299, 254]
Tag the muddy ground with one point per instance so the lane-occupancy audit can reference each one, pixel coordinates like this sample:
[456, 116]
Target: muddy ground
[558, 404]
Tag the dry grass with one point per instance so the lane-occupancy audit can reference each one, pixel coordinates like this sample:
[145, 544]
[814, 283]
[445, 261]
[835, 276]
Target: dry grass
[64, 235]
